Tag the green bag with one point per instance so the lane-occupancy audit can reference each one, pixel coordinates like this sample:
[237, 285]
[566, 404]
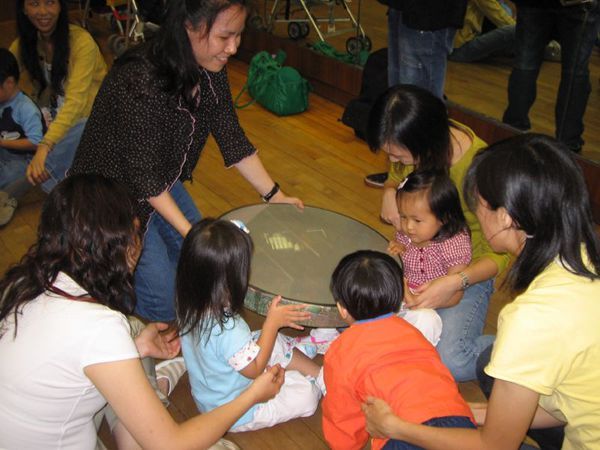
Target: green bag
[281, 90]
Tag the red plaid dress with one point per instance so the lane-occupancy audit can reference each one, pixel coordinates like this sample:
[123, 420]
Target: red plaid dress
[424, 264]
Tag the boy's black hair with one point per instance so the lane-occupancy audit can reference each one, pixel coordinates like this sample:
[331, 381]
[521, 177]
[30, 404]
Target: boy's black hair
[443, 197]
[368, 284]
[8, 66]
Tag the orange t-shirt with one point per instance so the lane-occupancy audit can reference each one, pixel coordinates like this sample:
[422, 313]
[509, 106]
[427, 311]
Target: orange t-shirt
[387, 358]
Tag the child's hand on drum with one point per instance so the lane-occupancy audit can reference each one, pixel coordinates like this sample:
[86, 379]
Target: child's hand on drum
[286, 315]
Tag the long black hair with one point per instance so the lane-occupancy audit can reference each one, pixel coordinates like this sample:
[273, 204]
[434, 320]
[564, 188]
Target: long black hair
[87, 230]
[368, 284]
[28, 48]
[443, 199]
[212, 275]
[539, 183]
[413, 117]
[171, 52]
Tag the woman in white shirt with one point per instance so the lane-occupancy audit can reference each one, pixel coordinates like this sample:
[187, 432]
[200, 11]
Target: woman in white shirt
[65, 341]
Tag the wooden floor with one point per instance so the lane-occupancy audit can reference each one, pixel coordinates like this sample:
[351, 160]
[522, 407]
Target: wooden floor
[315, 157]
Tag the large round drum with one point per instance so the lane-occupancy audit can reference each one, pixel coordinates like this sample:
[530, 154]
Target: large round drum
[295, 252]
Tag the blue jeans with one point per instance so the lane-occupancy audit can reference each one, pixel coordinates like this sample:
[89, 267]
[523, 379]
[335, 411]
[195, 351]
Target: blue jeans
[156, 269]
[462, 341]
[497, 42]
[417, 57]
[577, 32]
[13, 165]
[440, 422]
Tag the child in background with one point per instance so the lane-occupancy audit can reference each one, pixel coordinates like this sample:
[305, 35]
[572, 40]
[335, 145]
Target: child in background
[221, 353]
[21, 130]
[433, 239]
[381, 353]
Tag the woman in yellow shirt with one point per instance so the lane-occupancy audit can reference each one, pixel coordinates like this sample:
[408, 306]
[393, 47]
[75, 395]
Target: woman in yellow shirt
[531, 200]
[61, 69]
[412, 126]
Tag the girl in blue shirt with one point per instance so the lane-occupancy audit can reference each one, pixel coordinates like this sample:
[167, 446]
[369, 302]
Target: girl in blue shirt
[221, 353]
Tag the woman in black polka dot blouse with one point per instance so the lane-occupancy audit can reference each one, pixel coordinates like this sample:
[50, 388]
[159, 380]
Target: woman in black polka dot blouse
[150, 121]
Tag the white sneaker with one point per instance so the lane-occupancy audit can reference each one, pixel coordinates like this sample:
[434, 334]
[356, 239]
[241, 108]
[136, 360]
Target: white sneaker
[172, 370]
[224, 444]
[7, 210]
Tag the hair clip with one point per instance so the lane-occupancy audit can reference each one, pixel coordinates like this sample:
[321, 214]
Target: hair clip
[402, 183]
[241, 225]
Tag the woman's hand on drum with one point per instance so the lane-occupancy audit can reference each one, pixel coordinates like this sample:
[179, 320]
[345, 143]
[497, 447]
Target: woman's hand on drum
[158, 341]
[36, 170]
[280, 197]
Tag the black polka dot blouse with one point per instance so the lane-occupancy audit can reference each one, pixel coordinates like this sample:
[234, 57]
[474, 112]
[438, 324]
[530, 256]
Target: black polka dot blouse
[143, 137]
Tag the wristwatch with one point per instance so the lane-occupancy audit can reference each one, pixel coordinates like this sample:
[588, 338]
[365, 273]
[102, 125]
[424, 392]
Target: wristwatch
[464, 280]
[269, 195]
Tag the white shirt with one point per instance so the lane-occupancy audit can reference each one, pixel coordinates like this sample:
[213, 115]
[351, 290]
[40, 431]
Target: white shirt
[46, 401]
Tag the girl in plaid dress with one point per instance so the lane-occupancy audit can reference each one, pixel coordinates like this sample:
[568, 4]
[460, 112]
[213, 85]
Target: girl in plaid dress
[432, 238]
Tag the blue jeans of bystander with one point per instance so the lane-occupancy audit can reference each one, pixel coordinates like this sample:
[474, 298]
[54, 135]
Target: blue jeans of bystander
[497, 42]
[577, 30]
[417, 57]
[13, 165]
[156, 269]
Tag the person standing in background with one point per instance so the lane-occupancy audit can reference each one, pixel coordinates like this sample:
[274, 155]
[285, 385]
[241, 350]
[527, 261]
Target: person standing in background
[420, 38]
[577, 27]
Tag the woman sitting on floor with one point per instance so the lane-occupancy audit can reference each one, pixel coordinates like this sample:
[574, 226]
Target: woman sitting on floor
[65, 342]
[531, 200]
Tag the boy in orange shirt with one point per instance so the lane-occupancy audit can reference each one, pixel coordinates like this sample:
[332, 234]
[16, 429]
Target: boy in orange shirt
[382, 355]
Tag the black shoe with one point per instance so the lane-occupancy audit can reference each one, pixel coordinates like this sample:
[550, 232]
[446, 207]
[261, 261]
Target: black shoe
[376, 180]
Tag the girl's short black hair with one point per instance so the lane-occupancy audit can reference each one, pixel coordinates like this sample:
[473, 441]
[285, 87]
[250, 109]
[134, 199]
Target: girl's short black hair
[368, 284]
[443, 197]
[539, 183]
[413, 117]
[212, 274]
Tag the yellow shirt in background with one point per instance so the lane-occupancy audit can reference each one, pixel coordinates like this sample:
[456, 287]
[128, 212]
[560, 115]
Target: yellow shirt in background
[477, 10]
[549, 341]
[86, 71]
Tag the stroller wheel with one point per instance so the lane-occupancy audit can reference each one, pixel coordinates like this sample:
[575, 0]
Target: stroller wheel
[294, 31]
[366, 43]
[353, 45]
[304, 29]
[256, 22]
[119, 45]
[111, 41]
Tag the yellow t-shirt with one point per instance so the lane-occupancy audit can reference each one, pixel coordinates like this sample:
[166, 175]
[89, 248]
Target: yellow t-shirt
[458, 171]
[549, 341]
[86, 71]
